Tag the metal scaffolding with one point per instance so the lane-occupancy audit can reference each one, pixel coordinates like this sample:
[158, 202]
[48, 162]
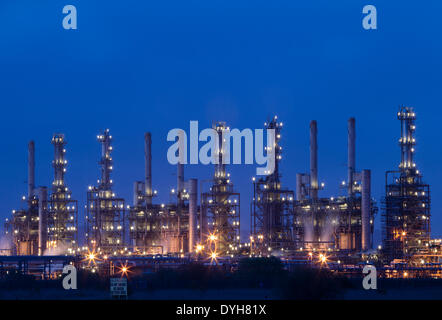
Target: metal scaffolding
[220, 205]
[272, 219]
[62, 211]
[105, 213]
[23, 227]
[144, 217]
[406, 215]
[344, 223]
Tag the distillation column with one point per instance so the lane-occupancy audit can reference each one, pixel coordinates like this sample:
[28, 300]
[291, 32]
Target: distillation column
[31, 169]
[313, 160]
[148, 169]
[193, 208]
[366, 209]
[180, 168]
[351, 161]
[105, 212]
[42, 220]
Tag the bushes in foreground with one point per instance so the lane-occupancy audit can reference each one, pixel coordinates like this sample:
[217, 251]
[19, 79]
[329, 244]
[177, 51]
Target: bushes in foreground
[251, 273]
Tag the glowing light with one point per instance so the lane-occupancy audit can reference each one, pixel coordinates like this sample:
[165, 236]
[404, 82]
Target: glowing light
[213, 256]
[322, 258]
[91, 257]
[199, 248]
[124, 270]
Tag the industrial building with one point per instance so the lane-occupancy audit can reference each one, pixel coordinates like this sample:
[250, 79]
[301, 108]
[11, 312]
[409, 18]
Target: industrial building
[406, 215]
[342, 224]
[105, 212]
[273, 225]
[163, 228]
[345, 223]
[48, 225]
[294, 224]
[23, 227]
[220, 205]
[144, 220]
[61, 216]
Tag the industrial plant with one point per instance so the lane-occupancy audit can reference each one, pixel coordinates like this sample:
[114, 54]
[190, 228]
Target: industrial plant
[201, 222]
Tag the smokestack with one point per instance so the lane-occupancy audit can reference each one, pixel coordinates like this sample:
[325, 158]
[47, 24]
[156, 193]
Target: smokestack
[148, 164]
[42, 220]
[137, 192]
[351, 161]
[180, 179]
[365, 209]
[31, 169]
[193, 207]
[180, 167]
[313, 160]
[299, 191]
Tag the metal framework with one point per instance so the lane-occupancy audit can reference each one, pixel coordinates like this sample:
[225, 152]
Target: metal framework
[272, 219]
[22, 229]
[105, 213]
[344, 223]
[62, 211]
[406, 216]
[144, 217]
[174, 222]
[145, 228]
[220, 205]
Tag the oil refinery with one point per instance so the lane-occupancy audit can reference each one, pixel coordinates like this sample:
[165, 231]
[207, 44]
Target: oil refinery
[297, 225]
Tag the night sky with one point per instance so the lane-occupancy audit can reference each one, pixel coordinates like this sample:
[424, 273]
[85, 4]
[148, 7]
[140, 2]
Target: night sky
[136, 66]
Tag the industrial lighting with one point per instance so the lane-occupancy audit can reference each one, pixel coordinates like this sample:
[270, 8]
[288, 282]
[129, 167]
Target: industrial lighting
[124, 270]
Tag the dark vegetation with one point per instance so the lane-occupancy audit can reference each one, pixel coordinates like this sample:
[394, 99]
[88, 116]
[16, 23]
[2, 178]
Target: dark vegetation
[256, 273]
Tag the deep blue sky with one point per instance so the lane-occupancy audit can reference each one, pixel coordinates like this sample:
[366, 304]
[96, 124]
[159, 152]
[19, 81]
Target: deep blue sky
[136, 66]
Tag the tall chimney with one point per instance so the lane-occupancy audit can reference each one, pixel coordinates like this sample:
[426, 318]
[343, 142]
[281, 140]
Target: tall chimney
[299, 187]
[42, 220]
[148, 164]
[193, 207]
[313, 160]
[366, 209]
[180, 179]
[137, 192]
[180, 167]
[31, 169]
[351, 161]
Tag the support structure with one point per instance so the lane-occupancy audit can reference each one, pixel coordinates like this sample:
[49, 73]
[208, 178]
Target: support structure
[193, 214]
[343, 224]
[406, 215]
[23, 228]
[220, 205]
[273, 224]
[62, 211]
[144, 216]
[42, 220]
[105, 217]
